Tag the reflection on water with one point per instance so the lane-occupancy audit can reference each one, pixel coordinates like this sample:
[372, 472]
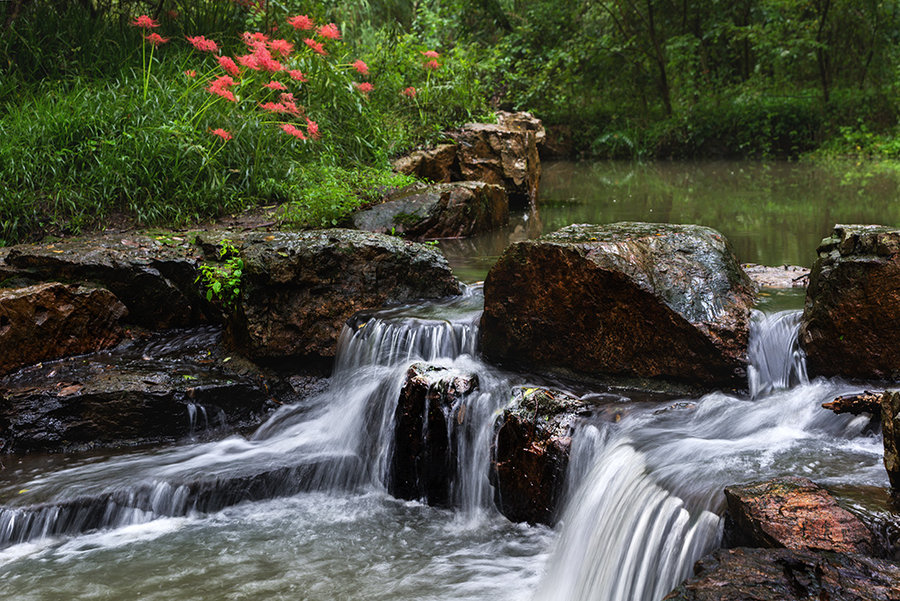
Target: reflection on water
[772, 212]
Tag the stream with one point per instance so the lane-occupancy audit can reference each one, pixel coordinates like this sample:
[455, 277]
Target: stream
[643, 495]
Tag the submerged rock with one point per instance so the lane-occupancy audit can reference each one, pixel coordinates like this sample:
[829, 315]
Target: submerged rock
[625, 300]
[785, 276]
[155, 280]
[455, 210]
[53, 320]
[794, 513]
[851, 319]
[436, 164]
[855, 404]
[530, 453]
[499, 154]
[423, 458]
[298, 289]
[788, 575]
[160, 390]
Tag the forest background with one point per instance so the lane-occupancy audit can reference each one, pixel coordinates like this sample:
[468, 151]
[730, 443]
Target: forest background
[100, 121]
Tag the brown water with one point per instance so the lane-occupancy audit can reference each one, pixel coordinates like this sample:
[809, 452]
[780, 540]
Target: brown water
[772, 212]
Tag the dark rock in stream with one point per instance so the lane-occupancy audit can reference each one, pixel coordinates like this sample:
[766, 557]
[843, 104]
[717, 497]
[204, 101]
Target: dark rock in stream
[851, 319]
[53, 320]
[890, 427]
[300, 288]
[788, 575]
[794, 513]
[423, 457]
[153, 391]
[627, 300]
[456, 210]
[530, 454]
[155, 280]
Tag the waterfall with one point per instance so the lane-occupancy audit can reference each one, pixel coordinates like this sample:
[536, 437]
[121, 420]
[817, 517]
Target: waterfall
[776, 360]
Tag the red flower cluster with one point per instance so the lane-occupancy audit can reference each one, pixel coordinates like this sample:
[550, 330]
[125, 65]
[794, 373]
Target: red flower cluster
[317, 47]
[364, 87]
[221, 133]
[156, 39]
[301, 22]
[312, 128]
[292, 129]
[283, 48]
[190, 73]
[145, 22]
[431, 54]
[297, 74]
[432, 65]
[329, 31]
[409, 92]
[229, 65]
[275, 85]
[360, 66]
[202, 44]
[220, 86]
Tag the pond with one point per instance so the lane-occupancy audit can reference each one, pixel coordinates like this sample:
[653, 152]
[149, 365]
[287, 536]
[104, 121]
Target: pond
[773, 213]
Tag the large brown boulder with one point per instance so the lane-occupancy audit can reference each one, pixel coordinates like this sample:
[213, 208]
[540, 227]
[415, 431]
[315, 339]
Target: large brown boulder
[146, 391]
[525, 121]
[155, 279]
[633, 300]
[851, 319]
[794, 513]
[787, 575]
[530, 453]
[299, 288]
[436, 164]
[890, 427]
[423, 459]
[52, 320]
[502, 155]
[456, 210]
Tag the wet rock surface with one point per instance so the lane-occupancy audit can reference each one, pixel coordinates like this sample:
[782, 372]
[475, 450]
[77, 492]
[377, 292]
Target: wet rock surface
[53, 320]
[530, 453]
[148, 391]
[890, 427]
[500, 154]
[785, 276]
[155, 279]
[300, 288]
[793, 513]
[456, 210]
[436, 164]
[622, 300]
[786, 575]
[855, 404]
[851, 318]
[423, 460]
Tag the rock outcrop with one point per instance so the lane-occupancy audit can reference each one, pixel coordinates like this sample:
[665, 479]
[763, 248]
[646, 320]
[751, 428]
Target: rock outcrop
[787, 575]
[152, 391]
[851, 319]
[436, 164]
[633, 300]
[456, 210]
[785, 276]
[53, 320]
[530, 453]
[423, 459]
[793, 513]
[890, 427]
[154, 279]
[298, 289]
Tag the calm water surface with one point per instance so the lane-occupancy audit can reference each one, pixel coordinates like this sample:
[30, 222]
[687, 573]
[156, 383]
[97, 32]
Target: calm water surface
[772, 212]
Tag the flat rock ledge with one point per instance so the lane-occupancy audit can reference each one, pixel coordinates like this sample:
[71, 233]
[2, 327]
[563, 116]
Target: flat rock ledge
[788, 575]
[456, 210]
[794, 513]
[851, 318]
[627, 300]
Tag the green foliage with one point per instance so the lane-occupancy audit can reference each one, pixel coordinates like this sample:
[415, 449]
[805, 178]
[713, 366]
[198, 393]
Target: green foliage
[222, 281]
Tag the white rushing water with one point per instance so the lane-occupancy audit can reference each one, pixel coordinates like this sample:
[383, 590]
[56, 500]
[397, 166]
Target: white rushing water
[643, 497]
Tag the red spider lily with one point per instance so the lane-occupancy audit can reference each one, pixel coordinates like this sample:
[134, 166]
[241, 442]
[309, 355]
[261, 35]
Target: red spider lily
[301, 22]
[312, 128]
[317, 47]
[221, 133]
[265, 61]
[297, 75]
[360, 66]
[256, 36]
[409, 92]
[156, 39]
[220, 86]
[202, 44]
[291, 129]
[329, 31]
[249, 61]
[286, 97]
[364, 87]
[275, 85]
[431, 54]
[273, 107]
[145, 22]
[432, 65]
[282, 48]
[229, 65]
[190, 73]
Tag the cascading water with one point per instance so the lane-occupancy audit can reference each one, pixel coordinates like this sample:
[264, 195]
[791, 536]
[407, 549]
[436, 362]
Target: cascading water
[776, 361]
